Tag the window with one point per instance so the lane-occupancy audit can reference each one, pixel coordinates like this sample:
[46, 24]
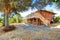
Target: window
[34, 20]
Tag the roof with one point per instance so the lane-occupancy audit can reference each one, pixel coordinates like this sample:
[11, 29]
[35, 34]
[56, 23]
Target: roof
[32, 14]
[45, 11]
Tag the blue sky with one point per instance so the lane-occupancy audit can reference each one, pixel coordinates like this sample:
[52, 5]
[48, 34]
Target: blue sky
[53, 8]
[1, 13]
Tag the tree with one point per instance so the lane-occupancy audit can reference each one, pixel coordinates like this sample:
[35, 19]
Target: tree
[57, 3]
[20, 5]
[56, 19]
[1, 19]
[19, 17]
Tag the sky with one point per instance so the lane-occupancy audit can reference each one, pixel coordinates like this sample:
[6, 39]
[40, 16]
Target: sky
[49, 7]
[53, 8]
[1, 13]
[25, 13]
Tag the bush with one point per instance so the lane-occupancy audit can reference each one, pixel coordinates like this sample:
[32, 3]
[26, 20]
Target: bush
[12, 20]
[56, 19]
[20, 20]
[15, 19]
[1, 19]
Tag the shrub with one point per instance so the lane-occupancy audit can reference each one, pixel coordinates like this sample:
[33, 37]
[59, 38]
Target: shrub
[1, 19]
[56, 19]
[12, 20]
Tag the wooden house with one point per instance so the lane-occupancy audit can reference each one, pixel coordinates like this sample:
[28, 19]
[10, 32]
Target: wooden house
[43, 14]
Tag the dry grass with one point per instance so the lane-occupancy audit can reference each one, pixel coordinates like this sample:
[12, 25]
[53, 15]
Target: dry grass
[24, 34]
[34, 35]
[42, 35]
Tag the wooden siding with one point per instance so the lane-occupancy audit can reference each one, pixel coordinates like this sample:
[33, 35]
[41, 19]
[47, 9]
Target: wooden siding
[46, 14]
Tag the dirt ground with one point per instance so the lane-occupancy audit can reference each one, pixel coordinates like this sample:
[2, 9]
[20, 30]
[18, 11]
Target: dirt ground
[29, 32]
[54, 24]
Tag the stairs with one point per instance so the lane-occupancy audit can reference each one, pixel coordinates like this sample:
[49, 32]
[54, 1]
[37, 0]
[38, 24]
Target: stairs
[45, 21]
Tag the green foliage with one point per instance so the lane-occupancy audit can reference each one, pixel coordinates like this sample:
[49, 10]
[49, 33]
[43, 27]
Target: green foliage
[57, 3]
[20, 5]
[55, 0]
[56, 19]
[15, 19]
[20, 20]
[11, 20]
[3, 24]
[0, 19]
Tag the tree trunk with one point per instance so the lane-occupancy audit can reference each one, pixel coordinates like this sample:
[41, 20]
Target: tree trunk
[6, 11]
[6, 20]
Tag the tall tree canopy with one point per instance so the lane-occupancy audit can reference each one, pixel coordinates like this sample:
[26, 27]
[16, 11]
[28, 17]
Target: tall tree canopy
[57, 3]
[20, 5]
